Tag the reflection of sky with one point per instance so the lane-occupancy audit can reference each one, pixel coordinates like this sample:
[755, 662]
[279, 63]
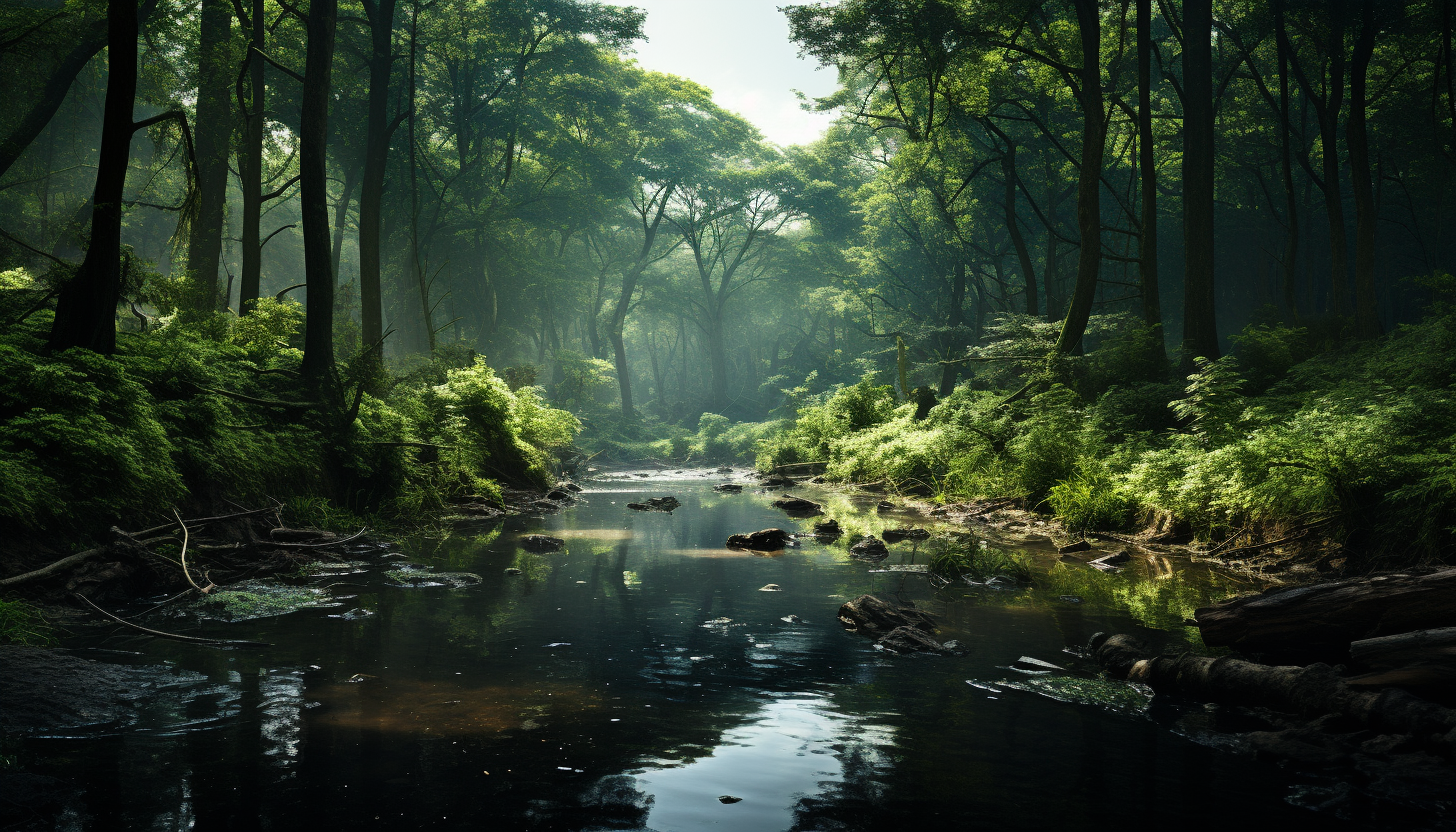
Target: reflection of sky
[788, 750]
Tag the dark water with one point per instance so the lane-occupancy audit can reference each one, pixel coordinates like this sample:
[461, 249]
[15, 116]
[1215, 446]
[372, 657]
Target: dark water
[594, 691]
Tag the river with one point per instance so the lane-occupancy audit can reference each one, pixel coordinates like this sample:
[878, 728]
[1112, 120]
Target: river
[643, 678]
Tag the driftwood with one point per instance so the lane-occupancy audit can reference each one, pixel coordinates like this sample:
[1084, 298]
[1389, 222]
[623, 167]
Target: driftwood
[1329, 616]
[59, 566]
[217, 642]
[872, 616]
[1315, 690]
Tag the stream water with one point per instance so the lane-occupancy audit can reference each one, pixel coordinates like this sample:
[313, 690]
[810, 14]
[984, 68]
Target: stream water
[633, 679]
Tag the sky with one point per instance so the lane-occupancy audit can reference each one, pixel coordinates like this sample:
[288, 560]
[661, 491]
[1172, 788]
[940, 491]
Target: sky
[739, 49]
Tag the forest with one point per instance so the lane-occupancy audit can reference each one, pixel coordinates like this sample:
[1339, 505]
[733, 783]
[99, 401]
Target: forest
[1127, 326]
[387, 254]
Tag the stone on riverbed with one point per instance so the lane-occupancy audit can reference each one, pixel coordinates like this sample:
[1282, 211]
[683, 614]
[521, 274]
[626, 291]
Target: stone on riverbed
[419, 576]
[798, 506]
[910, 533]
[827, 528]
[728, 488]
[766, 540]
[910, 640]
[871, 548]
[666, 504]
[542, 543]
[872, 616]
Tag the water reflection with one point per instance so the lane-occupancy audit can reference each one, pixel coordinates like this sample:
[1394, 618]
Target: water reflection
[790, 750]
[631, 679]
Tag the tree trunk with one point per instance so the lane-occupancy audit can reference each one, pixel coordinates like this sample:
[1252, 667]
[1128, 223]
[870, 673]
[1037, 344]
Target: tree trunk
[1286, 170]
[1329, 117]
[422, 283]
[717, 364]
[1148, 173]
[52, 95]
[1329, 616]
[376, 159]
[341, 219]
[1013, 228]
[250, 165]
[213, 144]
[1089, 180]
[318, 336]
[1200, 332]
[953, 322]
[1421, 657]
[86, 305]
[1357, 139]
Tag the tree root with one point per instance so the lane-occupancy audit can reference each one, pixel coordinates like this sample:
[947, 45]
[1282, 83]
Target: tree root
[213, 642]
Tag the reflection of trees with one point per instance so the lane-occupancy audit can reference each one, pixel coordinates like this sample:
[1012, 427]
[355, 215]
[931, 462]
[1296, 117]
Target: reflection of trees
[848, 804]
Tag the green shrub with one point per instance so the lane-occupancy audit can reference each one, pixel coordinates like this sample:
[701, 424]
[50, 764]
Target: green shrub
[1090, 499]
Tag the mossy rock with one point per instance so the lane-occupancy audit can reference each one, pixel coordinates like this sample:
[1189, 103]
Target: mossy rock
[409, 575]
[257, 599]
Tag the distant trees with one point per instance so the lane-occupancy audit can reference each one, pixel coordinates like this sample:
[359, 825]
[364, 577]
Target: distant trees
[500, 178]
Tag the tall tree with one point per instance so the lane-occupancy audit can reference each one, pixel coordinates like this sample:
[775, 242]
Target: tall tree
[214, 139]
[318, 337]
[1148, 179]
[250, 159]
[1357, 139]
[376, 161]
[86, 304]
[1200, 332]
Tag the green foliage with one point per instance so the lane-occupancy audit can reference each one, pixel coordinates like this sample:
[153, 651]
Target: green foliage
[22, 623]
[88, 441]
[979, 562]
[1090, 499]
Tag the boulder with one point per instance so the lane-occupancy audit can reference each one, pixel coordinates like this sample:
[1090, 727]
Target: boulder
[909, 640]
[728, 488]
[827, 528]
[872, 616]
[871, 548]
[766, 540]
[666, 504]
[542, 543]
[798, 505]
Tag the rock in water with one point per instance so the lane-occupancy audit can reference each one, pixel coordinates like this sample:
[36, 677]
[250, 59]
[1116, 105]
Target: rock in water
[827, 528]
[728, 798]
[666, 504]
[728, 488]
[767, 540]
[870, 615]
[798, 505]
[909, 640]
[542, 543]
[1079, 546]
[871, 548]
[910, 533]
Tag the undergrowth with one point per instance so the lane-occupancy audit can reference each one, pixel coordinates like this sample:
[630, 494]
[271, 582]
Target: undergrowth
[1361, 436]
[180, 416]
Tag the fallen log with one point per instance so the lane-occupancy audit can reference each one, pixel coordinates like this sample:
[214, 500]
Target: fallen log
[59, 566]
[1314, 690]
[1327, 617]
[1425, 657]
